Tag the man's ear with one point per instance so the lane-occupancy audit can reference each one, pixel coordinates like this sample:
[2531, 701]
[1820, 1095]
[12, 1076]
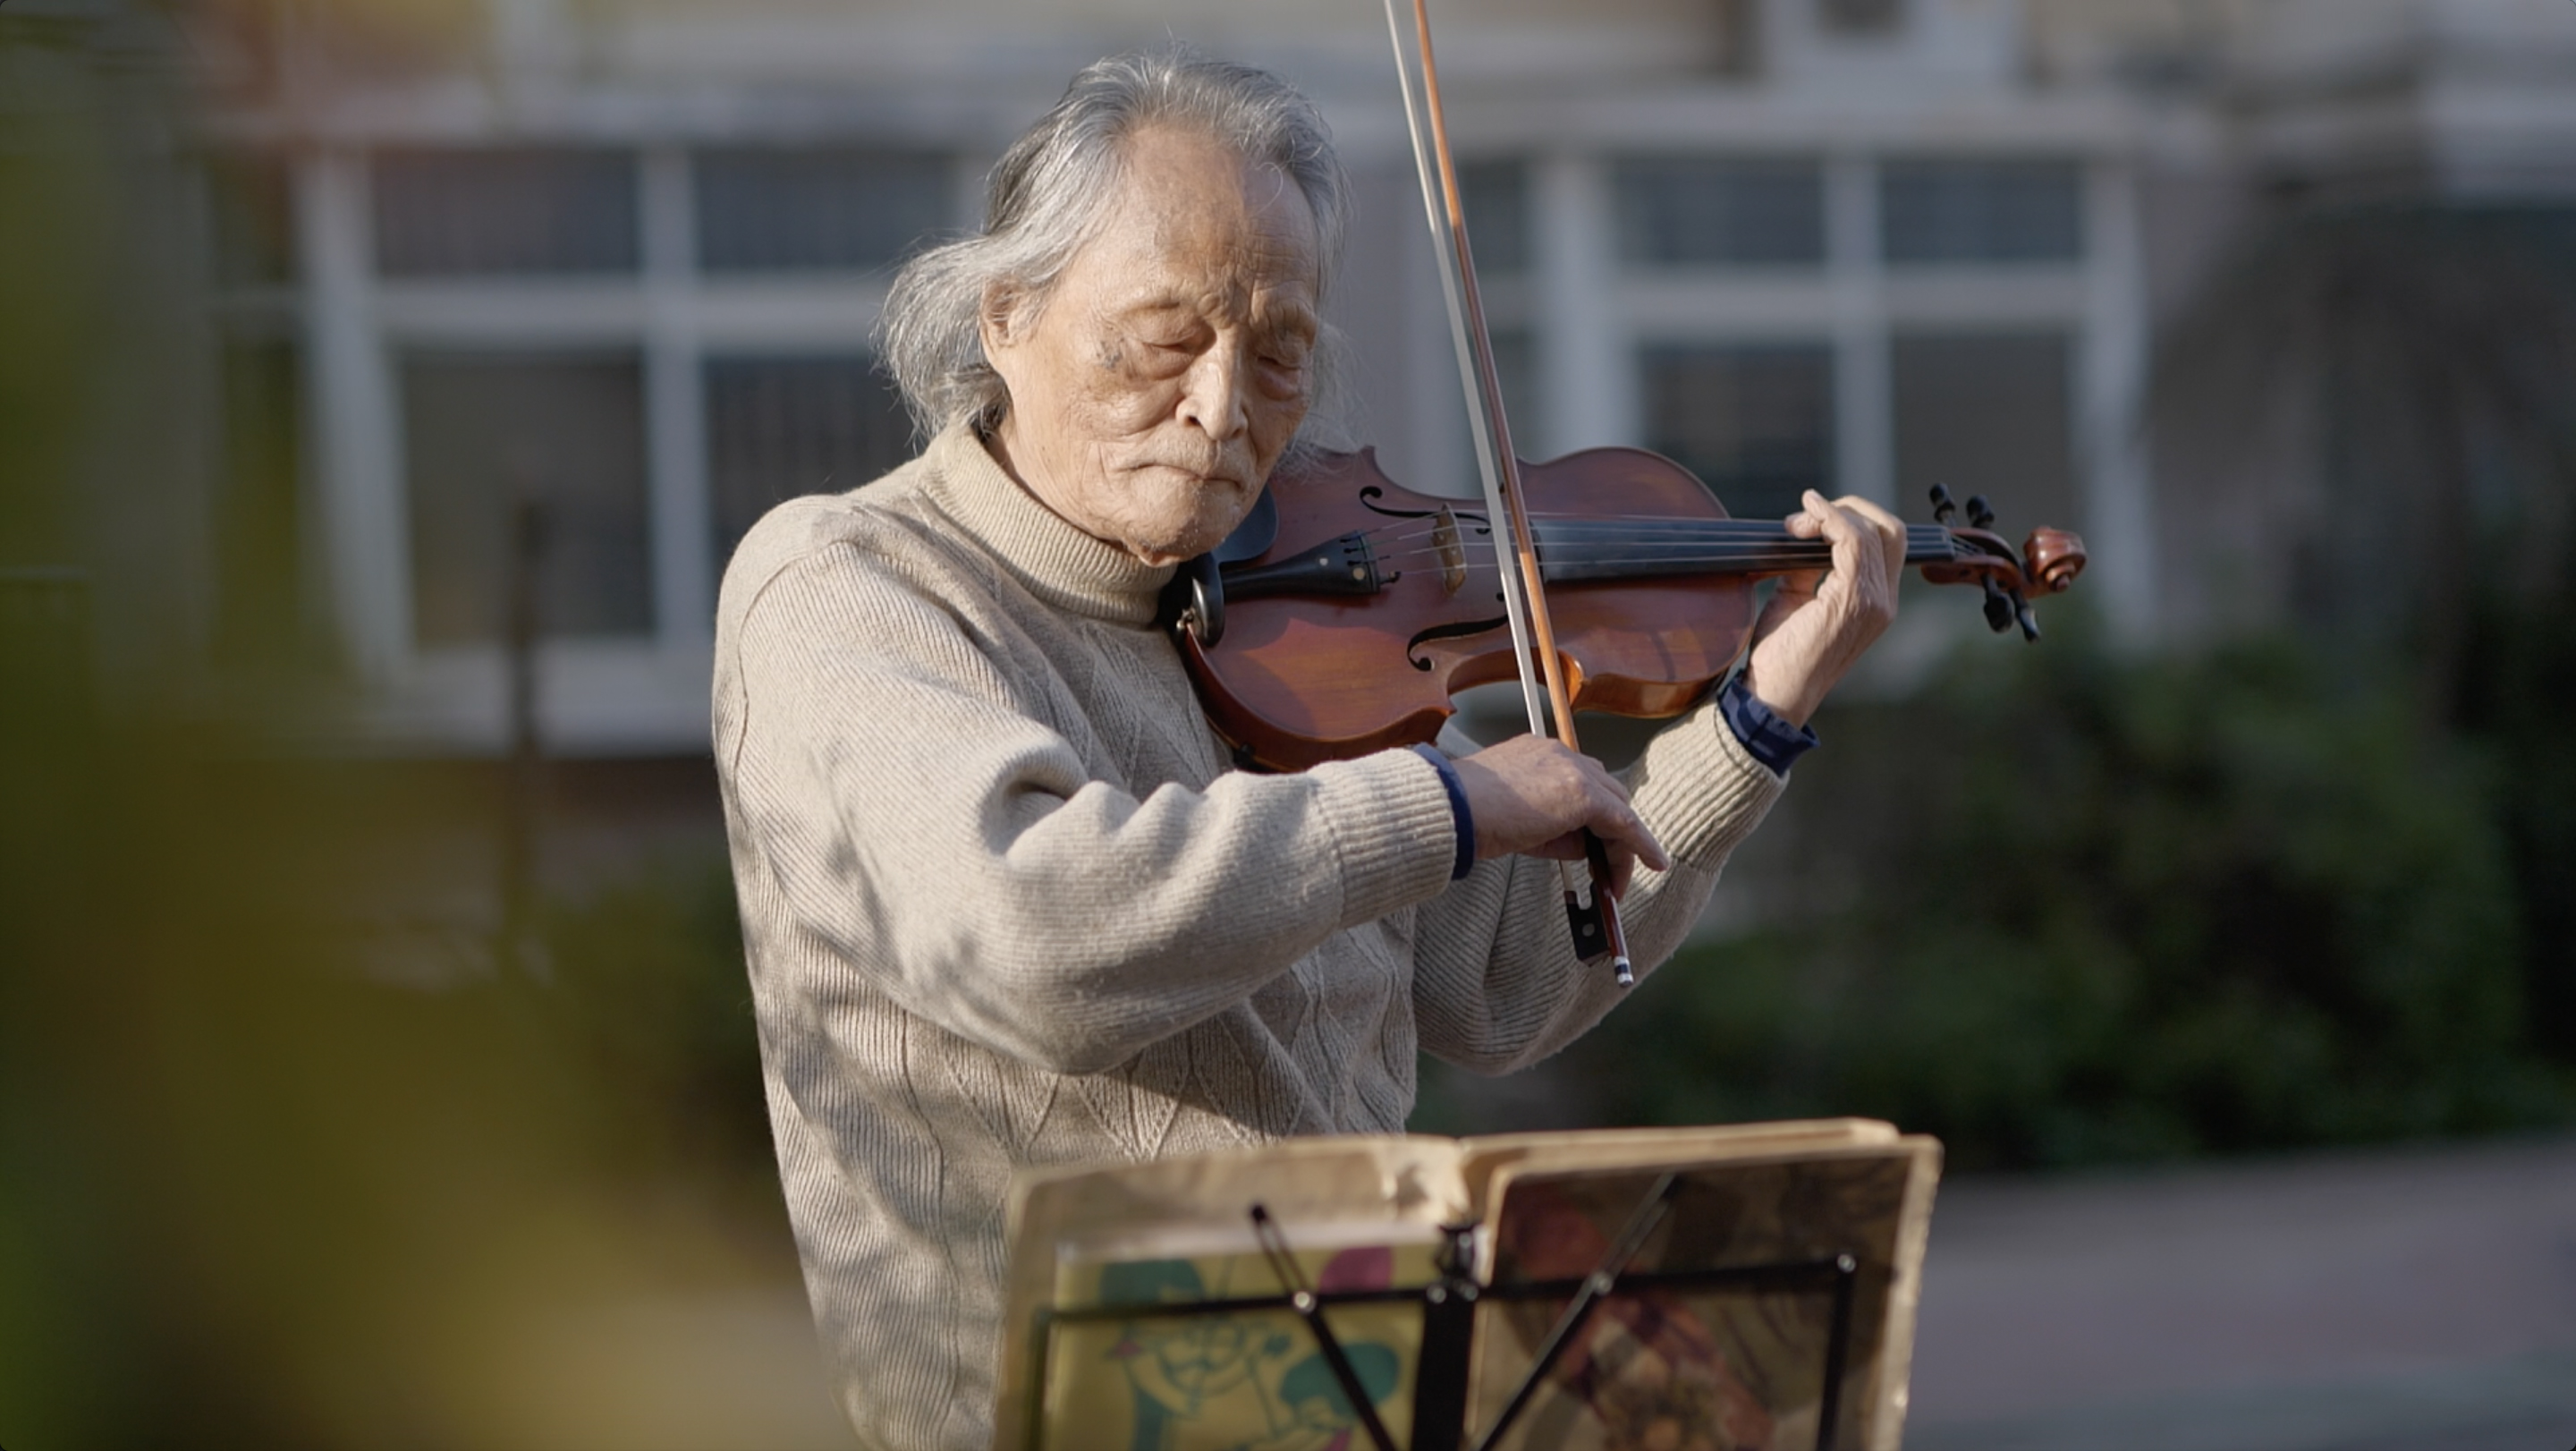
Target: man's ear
[1000, 316]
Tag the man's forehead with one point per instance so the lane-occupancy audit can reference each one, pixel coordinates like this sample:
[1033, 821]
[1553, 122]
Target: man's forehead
[1152, 276]
[1191, 205]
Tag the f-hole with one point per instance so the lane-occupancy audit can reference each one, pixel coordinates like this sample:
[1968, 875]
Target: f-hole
[1455, 630]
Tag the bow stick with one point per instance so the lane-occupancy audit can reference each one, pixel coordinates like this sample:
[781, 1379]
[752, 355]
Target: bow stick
[1595, 925]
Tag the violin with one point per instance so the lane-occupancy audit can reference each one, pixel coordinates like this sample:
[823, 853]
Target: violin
[1355, 641]
[1348, 610]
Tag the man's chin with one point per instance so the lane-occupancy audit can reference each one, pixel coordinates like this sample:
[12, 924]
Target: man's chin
[1173, 551]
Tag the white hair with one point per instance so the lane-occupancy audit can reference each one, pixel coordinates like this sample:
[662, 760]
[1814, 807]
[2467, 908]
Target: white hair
[1049, 193]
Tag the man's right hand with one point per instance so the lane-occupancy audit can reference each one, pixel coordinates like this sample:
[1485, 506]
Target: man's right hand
[1532, 796]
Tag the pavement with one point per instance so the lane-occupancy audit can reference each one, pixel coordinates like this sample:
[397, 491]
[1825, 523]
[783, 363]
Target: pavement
[2368, 1302]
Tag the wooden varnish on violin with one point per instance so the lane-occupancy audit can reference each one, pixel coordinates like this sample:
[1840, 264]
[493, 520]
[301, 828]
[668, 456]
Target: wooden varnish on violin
[1373, 605]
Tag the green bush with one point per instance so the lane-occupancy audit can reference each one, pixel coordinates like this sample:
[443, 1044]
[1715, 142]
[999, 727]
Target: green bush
[2517, 681]
[2067, 908]
[648, 994]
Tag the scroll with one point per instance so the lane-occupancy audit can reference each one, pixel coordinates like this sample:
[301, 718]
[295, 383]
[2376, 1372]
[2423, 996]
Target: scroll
[1679, 1289]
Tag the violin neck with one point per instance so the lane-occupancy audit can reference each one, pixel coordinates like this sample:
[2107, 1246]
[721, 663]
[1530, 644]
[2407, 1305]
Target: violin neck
[1573, 550]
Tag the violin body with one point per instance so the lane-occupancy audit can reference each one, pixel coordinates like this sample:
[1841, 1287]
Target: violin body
[1299, 678]
[1374, 605]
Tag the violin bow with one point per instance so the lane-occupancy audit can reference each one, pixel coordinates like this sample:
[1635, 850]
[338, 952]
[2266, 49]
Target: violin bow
[1595, 924]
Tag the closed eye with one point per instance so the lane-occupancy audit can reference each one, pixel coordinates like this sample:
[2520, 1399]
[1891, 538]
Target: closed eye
[1286, 347]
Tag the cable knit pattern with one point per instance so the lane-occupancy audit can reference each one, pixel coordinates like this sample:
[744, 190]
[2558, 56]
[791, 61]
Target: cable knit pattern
[1006, 904]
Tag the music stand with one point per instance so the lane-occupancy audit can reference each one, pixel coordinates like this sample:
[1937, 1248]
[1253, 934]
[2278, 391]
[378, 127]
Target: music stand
[1724, 1308]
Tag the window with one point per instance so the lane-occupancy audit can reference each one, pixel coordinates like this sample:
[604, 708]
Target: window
[1987, 414]
[1754, 421]
[1699, 212]
[538, 312]
[1516, 370]
[252, 220]
[483, 430]
[781, 427]
[764, 210]
[1860, 17]
[1495, 197]
[258, 525]
[1981, 211]
[459, 213]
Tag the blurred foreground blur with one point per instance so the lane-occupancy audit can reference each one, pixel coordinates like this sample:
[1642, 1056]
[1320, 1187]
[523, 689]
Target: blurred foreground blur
[383, 382]
[283, 1170]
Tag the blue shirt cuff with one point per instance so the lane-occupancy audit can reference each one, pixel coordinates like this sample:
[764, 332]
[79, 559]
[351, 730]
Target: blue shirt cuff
[1459, 816]
[1766, 737]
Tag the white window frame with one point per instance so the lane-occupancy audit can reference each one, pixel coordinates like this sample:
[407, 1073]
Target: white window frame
[1854, 304]
[640, 695]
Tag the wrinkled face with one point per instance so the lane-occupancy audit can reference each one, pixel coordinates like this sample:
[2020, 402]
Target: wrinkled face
[1161, 379]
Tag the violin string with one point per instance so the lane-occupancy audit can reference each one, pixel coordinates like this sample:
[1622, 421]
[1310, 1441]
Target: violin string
[1805, 558]
[1740, 561]
[1642, 548]
[1743, 545]
[1646, 565]
[1466, 524]
[1588, 536]
[1477, 520]
[1748, 561]
[1586, 530]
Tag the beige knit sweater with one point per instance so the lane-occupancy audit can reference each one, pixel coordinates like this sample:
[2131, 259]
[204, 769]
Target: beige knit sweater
[1005, 904]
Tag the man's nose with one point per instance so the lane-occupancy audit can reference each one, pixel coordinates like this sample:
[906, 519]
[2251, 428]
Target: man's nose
[1213, 398]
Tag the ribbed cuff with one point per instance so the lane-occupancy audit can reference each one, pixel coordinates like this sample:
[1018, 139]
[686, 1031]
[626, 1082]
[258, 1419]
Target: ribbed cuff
[1700, 789]
[1457, 808]
[1765, 736]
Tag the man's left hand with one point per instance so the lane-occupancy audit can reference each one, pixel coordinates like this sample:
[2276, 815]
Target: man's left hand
[1819, 622]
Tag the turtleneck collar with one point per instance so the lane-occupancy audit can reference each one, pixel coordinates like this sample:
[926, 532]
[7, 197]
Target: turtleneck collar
[1056, 561]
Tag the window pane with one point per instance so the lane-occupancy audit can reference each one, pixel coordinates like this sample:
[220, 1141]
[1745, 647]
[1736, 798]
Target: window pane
[1982, 211]
[1495, 197]
[480, 430]
[450, 213]
[1705, 212]
[1862, 16]
[258, 532]
[1987, 414]
[1516, 369]
[761, 210]
[1755, 422]
[781, 427]
[253, 219]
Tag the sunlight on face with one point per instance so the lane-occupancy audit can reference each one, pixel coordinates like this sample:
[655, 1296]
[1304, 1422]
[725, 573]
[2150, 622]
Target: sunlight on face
[1162, 378]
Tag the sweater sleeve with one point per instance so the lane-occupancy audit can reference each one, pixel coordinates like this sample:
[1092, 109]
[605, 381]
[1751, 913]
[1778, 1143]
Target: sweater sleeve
[1496, 983]
[940, 838]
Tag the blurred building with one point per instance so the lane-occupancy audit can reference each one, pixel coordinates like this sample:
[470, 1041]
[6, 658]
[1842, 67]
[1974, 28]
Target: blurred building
[622, 257]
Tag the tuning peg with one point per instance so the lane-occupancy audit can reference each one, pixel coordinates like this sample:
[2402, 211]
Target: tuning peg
[1979, 516]
[2029, 622]
[1942, 508]
[1999, 608]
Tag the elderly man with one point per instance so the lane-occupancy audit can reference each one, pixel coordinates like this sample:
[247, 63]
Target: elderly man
[1005, 902]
